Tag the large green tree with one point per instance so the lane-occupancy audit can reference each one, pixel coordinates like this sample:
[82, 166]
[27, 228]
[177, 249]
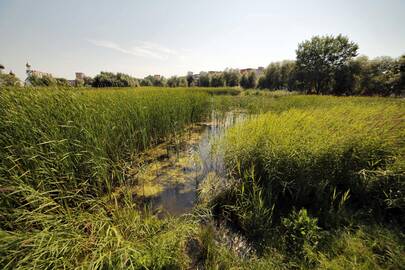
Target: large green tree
[232, 77]
[321, 57]
[205, 80]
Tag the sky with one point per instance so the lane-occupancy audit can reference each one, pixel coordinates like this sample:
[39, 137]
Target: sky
[173, 37]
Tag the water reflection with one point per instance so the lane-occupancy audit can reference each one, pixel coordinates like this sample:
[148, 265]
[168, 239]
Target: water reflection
[188, 164]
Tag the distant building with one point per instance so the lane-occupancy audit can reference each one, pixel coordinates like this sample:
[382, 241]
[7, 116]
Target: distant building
[258, 71]
[213, 72]
[157, 76]
[39, 74]
[245, 70]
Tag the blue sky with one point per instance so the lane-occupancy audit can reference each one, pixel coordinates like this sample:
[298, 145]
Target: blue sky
[173, 37]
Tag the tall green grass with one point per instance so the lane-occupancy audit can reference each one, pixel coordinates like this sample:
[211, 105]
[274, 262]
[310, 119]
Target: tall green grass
[315, 158]
[66, 142]
[63, 150]
[319, 183]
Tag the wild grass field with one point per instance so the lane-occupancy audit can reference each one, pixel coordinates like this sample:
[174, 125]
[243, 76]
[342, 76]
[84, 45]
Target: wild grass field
[315, 182]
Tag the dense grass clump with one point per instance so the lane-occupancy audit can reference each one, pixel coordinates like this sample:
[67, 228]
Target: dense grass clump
[66, 142]
[325, 157]
[107, 237]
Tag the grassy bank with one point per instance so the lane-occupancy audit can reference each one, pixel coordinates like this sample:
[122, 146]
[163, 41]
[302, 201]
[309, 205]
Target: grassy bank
[316, 180]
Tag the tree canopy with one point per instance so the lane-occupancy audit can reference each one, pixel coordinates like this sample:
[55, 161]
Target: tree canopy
[321, 57]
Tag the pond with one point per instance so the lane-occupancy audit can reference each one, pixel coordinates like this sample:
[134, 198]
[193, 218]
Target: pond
[170, 175]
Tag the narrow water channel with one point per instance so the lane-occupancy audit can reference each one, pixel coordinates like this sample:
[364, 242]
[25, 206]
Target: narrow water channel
[169, 182]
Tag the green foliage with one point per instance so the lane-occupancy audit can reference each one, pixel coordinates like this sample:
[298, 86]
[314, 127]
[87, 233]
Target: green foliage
[321, 57]
[42, 81]
[62, 82]
[249, 81]
[280, 75]
[303, 157]
[158, 81]
[177, 82]
[172, 82]
[105, 237]
[63, 162]
[217, 80]
[299, 231]
[371, 247]
[205, 80]
[380, 76]
[66, 142]
[190, 80]
[251, 209]
[109, 79]
[232, 77]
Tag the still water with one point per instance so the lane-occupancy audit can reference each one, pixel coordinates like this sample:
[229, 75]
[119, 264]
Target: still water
[170, 182]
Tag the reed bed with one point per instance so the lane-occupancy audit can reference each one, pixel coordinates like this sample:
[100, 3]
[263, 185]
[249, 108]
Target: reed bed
[302, 157]
[59, 140]
[302, 164]
[315, 171]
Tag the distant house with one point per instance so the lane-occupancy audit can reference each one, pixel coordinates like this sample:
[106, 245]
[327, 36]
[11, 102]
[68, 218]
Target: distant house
[258, 71]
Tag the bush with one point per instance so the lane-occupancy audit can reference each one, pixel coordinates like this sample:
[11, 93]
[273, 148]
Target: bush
[300, 230]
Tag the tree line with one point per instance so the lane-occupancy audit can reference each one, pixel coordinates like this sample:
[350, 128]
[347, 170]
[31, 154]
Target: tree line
[323, 65]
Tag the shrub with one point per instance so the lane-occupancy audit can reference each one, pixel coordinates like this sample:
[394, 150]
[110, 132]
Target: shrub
[300, 230]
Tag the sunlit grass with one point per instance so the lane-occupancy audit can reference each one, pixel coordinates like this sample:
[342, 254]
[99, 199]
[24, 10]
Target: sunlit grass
[67, 192]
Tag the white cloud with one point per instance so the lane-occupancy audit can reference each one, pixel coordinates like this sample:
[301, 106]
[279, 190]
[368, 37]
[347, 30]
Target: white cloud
[143, 49]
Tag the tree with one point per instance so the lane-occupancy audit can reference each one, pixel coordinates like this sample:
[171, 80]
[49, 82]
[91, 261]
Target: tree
[252, 80]
[218, 80]
[62, 82]
[205, 80]
[380, 76]
[182, 82]
[261, 82]
[44, 80]
[190, 80]
[172, 81]
[401, 64]
[321, 57]
[146, 82]
[244, 83]
[232, 77]
[109, 79]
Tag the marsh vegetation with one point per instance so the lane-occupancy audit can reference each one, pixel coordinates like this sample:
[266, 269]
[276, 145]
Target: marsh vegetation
[200, 178]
